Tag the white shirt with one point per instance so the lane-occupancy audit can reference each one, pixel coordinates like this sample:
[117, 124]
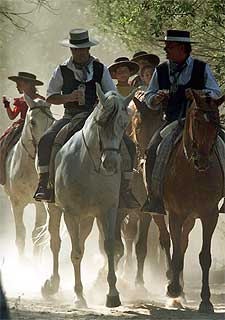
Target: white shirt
[56, 82]
[211, 86]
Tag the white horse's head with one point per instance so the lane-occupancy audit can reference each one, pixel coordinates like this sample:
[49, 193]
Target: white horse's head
[112, 119]
[38, 119]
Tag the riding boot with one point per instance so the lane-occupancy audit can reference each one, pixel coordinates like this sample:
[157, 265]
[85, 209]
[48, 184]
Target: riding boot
[153, 205]
[43, 193]
[127, 198]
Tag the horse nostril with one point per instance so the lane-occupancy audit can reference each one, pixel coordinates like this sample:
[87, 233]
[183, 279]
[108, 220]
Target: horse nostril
[109, 161]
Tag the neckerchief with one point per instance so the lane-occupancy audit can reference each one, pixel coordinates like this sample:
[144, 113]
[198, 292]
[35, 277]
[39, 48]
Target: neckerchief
[175, 71]
[84, 67]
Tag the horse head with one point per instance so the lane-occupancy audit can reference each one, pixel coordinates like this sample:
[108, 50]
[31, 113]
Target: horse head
[201, 129]
[38, 119]
[112, 120]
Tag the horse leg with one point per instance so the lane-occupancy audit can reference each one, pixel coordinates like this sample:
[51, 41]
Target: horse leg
[205, 259]
[109, 227]
[141, 247]
[119, 247]
[18, 210]
[130, 229]
[78, 231]
[51, 285]
[164, 239]
[174, 289]
[187, 227]
[39, 228]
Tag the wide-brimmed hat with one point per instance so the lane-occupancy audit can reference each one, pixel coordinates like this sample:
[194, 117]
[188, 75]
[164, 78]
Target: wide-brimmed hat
[153, 59]
[121, 62]
[177, 36]
[79, 38]
[26, 76]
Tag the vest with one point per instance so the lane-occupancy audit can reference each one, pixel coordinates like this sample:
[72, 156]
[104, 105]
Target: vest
[70, 84]
[177, 103]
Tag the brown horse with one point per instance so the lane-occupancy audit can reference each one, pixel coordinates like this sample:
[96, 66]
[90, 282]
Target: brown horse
[144, 124]
[193, 187]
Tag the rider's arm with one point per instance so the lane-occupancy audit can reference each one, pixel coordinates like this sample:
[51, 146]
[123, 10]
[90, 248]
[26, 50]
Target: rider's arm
[13, 113]
[151, 93]
[211, 85]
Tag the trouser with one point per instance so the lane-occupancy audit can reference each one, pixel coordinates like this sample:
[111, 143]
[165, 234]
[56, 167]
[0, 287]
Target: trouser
[131, 150]
[151, 155]
[46, 143]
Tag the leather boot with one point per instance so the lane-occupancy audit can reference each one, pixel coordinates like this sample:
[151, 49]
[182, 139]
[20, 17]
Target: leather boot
[127, 198]
[43, 193]
[154, 206]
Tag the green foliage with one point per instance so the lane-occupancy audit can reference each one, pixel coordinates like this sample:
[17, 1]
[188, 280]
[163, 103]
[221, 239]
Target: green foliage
[138, 23]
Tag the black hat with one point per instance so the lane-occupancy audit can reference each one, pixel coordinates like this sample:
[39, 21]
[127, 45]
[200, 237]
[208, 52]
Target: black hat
[79, 38]
[153, 59]
[124, 61]
[177, 36]
[26, 76]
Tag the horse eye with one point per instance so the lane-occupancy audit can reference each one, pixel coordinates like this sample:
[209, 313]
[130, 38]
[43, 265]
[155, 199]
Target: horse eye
[32, 122]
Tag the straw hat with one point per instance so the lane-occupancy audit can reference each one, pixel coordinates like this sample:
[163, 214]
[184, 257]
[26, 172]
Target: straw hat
[79, 38]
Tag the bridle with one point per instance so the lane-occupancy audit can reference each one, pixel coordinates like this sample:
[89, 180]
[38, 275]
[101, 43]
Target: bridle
[194, 144]
[97, 168]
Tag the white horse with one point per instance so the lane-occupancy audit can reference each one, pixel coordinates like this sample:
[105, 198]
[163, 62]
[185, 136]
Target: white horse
[21, 174]
[87, 185]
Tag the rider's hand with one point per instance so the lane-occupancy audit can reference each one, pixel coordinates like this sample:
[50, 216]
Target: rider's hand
[5, 102]
[73, 96]
[161, 96]
[140, 95]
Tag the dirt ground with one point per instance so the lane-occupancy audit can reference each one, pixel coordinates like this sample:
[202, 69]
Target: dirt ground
[157, 309]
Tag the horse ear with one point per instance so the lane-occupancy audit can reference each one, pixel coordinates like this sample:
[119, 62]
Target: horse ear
[100, 94]
[29, 101]
[220, 100]
[128, 99]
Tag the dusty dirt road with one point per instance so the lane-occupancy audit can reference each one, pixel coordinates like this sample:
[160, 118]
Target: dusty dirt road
[57, 309]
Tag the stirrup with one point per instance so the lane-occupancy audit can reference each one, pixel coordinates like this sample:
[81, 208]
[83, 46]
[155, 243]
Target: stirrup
[128, 200]
[44, 194]
[153, 206]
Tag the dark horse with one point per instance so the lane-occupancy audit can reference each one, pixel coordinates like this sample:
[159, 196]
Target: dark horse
[193, 187]
[144, 124]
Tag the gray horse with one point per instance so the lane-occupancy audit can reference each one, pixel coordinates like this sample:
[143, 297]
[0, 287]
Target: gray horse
[87, 185]
[21, 174]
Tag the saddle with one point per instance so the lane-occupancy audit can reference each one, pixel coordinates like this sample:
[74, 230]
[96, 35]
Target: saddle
[171, 135]
[6, 144]
[76, 124]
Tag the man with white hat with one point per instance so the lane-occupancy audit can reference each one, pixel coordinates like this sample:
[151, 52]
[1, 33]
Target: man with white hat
[72, 84]
[168, 87]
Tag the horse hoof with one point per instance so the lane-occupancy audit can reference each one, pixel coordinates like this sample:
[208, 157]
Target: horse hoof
[206, 307]
[113, 301]
[174, 291]
[141, 291]
[176, 304]
[81, 304]
[50, 287]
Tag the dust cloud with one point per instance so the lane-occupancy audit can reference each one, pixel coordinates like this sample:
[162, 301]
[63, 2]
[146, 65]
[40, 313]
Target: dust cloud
[37, 51]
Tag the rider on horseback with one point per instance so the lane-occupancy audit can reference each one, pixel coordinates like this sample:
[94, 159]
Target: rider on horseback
[73, 84]
[24, 82]
[167, 89]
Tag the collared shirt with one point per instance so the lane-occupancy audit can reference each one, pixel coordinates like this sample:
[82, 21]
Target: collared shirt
[56, 82]
[211, 86]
